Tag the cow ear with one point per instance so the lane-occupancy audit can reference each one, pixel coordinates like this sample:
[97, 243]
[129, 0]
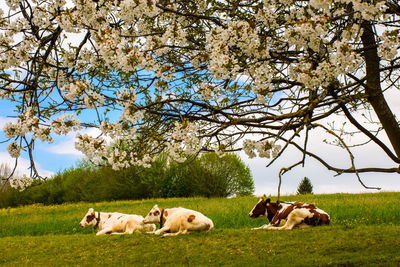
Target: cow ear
[267, 201]
[91, 210]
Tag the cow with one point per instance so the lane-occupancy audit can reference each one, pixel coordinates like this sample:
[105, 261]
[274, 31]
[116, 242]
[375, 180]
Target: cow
[288, 215]
[177, 221]
[115, 223]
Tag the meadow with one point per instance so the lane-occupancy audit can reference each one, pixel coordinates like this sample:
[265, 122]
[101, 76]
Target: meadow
[364, 230]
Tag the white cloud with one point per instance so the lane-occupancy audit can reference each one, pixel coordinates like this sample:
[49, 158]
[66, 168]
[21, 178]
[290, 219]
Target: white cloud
[23, 165]
[66, 147]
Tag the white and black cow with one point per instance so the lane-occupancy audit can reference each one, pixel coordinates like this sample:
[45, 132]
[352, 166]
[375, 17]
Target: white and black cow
[177, 221]
[115, 223]
[288, 215]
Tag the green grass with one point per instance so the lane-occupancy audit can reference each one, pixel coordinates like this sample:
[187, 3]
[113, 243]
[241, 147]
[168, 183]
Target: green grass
[364, 230]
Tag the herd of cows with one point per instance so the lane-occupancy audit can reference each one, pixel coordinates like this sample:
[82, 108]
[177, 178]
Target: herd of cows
[175, 221]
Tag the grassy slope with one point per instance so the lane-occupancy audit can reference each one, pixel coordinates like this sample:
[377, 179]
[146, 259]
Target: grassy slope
[365, 229]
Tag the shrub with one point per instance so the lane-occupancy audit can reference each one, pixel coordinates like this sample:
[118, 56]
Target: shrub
[209, 176]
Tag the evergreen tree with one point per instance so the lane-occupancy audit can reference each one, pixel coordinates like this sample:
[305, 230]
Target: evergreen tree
[305, 187]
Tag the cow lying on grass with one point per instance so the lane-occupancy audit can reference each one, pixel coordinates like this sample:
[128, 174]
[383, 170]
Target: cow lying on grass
[283, 215]
[177, 221]
[115, 223]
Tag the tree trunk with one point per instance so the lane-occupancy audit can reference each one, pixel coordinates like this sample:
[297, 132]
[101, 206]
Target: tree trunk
[374, 90]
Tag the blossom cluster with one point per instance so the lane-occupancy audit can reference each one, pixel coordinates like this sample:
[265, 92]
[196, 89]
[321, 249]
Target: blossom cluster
[92, 147]
[25, 123]
[224, 45]
[265, 149]
[82, 91]
[20, 183]
[205, 91]
[122, 159]
[184, 141]
[390, 45]
[14, 150]
[65, 123]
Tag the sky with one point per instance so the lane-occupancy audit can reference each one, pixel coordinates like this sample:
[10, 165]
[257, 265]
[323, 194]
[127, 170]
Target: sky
[62, 154]
[52, 158]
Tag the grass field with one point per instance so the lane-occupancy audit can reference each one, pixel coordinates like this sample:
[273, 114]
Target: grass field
[364, 230]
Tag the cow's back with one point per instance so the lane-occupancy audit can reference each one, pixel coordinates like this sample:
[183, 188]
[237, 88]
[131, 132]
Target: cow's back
[188, 219]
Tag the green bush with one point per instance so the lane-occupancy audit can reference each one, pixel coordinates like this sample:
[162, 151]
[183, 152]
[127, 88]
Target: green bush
[207, 175]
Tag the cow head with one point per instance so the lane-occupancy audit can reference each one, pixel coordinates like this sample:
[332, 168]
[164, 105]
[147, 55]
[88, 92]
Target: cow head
[153, 216]
[260, 209]
[89, 219]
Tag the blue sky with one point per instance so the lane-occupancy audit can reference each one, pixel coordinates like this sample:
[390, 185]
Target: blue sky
[61, 154]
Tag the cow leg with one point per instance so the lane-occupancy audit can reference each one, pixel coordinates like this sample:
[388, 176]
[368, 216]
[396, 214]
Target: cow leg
[286, 226]
[294, 219]
[171, 234]
[104, 231]
[265, 226]
[119, 233]
[185, 232]
[162, 230]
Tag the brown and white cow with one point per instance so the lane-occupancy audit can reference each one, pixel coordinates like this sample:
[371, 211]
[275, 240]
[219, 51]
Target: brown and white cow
[177, 221]
[115, 223]
[288, 215]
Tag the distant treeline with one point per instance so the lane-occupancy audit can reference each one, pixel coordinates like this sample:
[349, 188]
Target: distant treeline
[207, 175]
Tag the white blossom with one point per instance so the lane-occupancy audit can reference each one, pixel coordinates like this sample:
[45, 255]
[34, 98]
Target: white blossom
[184, 141]
[44, 135]
[90, 146]
[388, 49]
[25, 123]
[20, 183]
[264, 149]
[65, 123]
[14, 150]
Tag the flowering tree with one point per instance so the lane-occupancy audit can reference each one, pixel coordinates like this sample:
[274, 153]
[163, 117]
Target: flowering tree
[193, 75]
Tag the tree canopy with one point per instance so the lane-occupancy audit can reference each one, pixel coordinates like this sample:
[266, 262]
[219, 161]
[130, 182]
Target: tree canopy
[201, 75]
[210, 176]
